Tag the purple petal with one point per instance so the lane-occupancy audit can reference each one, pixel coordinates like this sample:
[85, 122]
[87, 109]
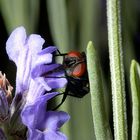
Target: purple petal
[23, 51]
[43, 59]
[34, 134]
[49, 49]
[15, 43]
[47, 135]
[56, 82]
[56, 79]
[31, 113]
[54, 120]
[22, 70]
[35, 43]
[52, 76]
[54, 135]
[43, 124]
[43, 70]
[41, 81]
[51, 83]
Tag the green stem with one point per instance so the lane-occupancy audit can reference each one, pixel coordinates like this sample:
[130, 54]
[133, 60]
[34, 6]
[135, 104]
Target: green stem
[116, 68]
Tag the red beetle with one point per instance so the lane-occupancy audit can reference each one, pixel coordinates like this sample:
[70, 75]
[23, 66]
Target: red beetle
[74, 64]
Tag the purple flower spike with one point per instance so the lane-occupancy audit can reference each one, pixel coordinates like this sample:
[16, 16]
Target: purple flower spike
[33, 64]
[42, 124]
[36, 76]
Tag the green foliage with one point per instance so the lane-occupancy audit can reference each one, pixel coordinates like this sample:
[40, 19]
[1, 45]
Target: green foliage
[135, 89]
[20, 13]
[100, 120]
[116, 68]
[73, 24]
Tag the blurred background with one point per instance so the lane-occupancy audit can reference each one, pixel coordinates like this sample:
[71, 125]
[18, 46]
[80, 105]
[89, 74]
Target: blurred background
[69, 25]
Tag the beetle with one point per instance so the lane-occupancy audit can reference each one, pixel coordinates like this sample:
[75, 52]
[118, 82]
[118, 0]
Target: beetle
[74, 65]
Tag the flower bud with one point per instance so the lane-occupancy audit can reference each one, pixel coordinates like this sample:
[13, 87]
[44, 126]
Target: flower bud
[5, 97]
[6, 87]
[4, 107]
[16, 127]
[2, 135]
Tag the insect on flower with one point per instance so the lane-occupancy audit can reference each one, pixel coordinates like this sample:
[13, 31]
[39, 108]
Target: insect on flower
[74, 65]
[35, 76]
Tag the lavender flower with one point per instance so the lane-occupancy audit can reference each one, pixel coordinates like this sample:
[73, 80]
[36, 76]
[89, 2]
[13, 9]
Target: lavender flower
[36, 77]
[42, 124]
[32, 64]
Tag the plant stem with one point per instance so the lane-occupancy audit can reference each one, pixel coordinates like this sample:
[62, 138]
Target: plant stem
[116, 68]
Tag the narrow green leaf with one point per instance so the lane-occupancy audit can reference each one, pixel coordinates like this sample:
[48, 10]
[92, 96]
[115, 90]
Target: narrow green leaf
[116, 68]
[135, 89]
[89, 11]
[20, 12]
[58, 23]
[128, 29]
[101, 123]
